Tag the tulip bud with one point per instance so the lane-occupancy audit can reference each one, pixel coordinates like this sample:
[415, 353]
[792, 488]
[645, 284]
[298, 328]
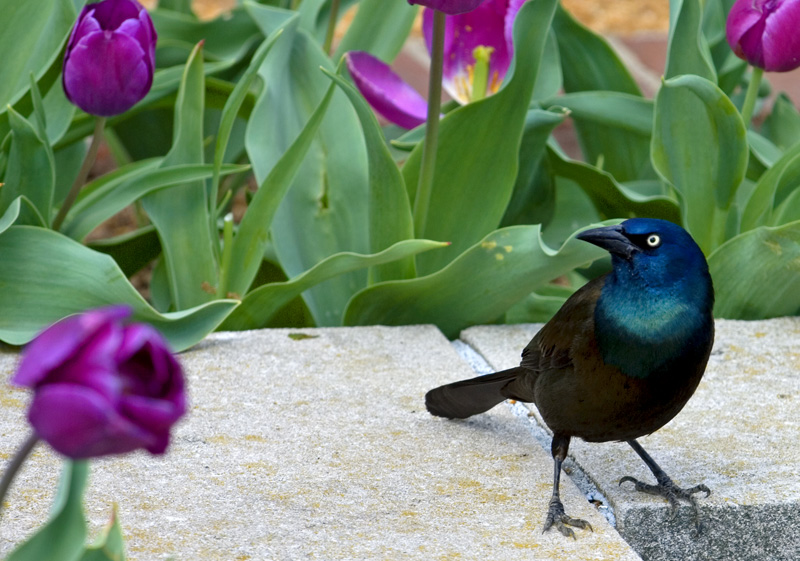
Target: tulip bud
[450, 7]
[765, 33]
[110, 57]
[101, 386]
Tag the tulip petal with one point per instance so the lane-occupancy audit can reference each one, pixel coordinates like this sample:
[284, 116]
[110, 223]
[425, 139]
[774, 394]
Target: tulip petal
[112, 13]
[781, 42]
[486, 26]
[60, 341]
[451, 7]
[385, 91]
[106, 73]
[79, 423]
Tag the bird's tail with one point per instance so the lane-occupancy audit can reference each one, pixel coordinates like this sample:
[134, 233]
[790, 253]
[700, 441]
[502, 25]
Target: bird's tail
[460, 400]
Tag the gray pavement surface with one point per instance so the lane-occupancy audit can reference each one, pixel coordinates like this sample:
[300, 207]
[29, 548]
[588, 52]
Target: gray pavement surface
[320, 448]
[738, 435]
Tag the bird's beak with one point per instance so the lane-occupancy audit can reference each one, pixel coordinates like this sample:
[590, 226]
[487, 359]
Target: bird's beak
[612, 239]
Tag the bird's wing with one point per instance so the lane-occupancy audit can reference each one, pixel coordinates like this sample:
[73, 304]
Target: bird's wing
[552, 347]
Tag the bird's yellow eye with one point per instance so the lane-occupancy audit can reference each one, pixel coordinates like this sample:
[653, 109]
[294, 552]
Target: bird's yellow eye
[653, 240]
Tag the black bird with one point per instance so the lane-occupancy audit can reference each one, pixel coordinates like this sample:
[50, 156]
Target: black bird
[618, 361]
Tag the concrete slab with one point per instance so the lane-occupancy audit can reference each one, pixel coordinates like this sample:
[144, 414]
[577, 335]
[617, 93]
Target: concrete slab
[738, 435]
[319, 447]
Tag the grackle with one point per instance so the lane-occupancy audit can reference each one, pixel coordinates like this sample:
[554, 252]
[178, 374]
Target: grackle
[618, 361]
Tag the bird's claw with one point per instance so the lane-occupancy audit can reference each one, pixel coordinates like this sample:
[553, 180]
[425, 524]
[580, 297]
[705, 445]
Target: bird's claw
[666, 488]
[558, 518]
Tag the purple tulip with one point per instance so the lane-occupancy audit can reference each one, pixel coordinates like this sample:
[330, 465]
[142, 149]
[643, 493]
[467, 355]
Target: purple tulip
[110, 57]
[451, 7]
[102, 386]
[765, 33]
[489, 25]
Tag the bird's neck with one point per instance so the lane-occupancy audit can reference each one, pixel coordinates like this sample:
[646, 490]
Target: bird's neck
[645, 330]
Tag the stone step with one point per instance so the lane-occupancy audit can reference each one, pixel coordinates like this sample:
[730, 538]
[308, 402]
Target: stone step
[738, 435]
[315, 444]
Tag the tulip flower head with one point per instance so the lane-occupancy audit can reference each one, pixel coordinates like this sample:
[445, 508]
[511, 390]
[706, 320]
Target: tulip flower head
[102, 386]
[110, 57]
[765, 33]
[478, 48]
[450, 7]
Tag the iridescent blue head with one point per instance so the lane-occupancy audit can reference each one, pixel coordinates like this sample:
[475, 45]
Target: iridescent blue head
[657, 301]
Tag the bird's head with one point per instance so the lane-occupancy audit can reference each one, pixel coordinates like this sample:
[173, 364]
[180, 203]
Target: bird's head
[659, 253]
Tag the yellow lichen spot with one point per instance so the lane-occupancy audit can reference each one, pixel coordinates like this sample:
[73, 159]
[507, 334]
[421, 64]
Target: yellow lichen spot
[489, 245]
[499, 256]
[255, 438]
[760, 334]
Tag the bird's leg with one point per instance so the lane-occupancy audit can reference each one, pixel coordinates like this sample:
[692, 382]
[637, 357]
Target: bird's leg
[555, 513]
[666, 488]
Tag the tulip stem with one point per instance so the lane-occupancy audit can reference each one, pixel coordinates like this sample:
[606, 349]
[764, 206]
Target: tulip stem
[88, 162]
[334, 15]
[425, 185]
[752, 95]
[16, 462]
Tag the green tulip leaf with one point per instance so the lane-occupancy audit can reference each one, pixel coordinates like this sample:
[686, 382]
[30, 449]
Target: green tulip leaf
[261, 304]
[477, 155]
[620, 111]
[180, 214]
[390, 218]
[31, 167]
[33, 297]
[380, 27]
[772, 188]
[251, 239]
[62, 537]
[782, 126]
[610, 198]
[699, 146]
[591, 65]
[110, 546]
[688, 51]
[479, 286]
[324, 211]
[132, 251]
[769, 284]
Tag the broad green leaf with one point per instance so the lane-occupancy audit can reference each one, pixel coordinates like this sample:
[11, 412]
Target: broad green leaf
[550, 80]
[533, 199]
[10, 215]
[59, 111]
[773, 186]
[227, 38]
[62, 537]
[782, 126]
[757, 274]
[33, 297]
[252, 236]
[31, 167]
[688, 51]
[180, 214]
[477, 155]
[31, 37]
[325, 209]
[621, 111]
[699, 146]
[126, 188]
[612, 199]
[590, 64]
[390, 219]
[763, 150]
[380, 27]
[260, 305]
[539, 306]
[110, 546]
[479, 286]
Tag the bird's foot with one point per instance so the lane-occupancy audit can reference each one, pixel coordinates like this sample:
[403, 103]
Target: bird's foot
[558, 518]
[666, 488]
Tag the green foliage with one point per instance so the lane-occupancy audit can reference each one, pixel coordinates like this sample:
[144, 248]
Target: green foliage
[329, 213]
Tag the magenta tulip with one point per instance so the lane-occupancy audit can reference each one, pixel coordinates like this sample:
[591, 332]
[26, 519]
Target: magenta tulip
[110, 57]
[765, 33]
[102, 386]
[450, 7]
[488, 30]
